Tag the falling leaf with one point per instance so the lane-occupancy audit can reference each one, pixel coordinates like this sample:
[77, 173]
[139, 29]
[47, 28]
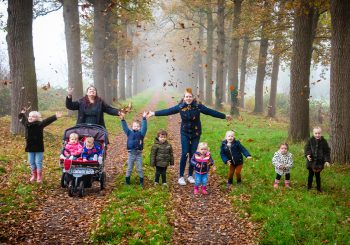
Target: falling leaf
[250, 140]
[211, 82]
[232, 88]
[182, 25]
[46, 86]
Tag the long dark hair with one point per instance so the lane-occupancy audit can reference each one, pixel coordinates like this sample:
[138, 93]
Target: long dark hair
[86, 97]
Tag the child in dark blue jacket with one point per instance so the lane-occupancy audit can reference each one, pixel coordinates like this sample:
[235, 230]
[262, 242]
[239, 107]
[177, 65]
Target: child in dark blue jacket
[135, 145]
[231, 154]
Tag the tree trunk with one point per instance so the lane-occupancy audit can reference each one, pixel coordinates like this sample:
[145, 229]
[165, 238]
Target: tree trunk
[99, 46]
[21, 60]
[122, 58]
[233, 71]
[274, 78]
[129, 62]
[108, 58]
[300, 73]
[220, 55]
[261, 72]
[243, 70]
[135, 75]
[340, 82]
[209, 64]
[72, 33]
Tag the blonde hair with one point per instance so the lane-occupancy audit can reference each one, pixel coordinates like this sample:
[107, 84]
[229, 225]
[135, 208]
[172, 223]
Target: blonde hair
[89, 140]
[36, 114]
[74, 136]
[317, 127]
[203, 144]
[229, 132]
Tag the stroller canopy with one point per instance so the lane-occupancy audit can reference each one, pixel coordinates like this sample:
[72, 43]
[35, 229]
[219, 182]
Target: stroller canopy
[84, 130]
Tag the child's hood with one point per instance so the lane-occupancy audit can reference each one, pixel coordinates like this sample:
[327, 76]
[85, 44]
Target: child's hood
[156, 141]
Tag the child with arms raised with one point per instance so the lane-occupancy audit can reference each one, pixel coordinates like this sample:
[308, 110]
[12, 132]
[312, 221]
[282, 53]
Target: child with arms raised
[34, 135]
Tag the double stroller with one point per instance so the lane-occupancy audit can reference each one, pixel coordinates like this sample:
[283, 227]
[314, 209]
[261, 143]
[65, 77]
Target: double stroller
[78, 174]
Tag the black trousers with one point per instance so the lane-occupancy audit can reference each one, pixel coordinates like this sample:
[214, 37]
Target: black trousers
[160, 171]
[311, 178]
[287, 177]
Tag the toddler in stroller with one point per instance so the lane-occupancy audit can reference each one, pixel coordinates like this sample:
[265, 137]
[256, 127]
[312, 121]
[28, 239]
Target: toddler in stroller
[73, 148]
[80, 173]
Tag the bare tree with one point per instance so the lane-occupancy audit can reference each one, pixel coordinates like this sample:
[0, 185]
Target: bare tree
[243, 69]
[340, 82]
[220, 55]
[21, 58]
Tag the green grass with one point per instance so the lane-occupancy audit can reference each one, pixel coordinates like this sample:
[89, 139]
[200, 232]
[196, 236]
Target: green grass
[135, 215]
[295, 216]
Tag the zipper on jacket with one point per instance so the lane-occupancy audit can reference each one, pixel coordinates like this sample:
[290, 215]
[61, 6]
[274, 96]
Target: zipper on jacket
[229, 148]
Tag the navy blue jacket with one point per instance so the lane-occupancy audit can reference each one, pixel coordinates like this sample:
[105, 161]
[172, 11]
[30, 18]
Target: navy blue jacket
[233, 153]
[135, 138]
[81, 105]
[190, 116]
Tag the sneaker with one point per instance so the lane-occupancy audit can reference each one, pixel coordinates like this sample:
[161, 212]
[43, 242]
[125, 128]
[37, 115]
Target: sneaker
[71, 157]
[182, 181]
[62, 156]
[156, 183]
[191, 180]
[95, 157]
[228, 186]
[100, 159]
[164, 184]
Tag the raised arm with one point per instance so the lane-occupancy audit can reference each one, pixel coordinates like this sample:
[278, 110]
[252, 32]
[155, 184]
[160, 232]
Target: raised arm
[166, 112]
[125, 127]
[207, 111]
[109, 109]
[144, 127]
[23, 118]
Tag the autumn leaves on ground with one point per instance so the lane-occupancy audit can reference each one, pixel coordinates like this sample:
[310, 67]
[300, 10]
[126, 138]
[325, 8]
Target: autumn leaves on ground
[251, 213]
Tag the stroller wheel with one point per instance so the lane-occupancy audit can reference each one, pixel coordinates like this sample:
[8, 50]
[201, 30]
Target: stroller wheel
[63, 180]
[81, 188]
[103, 181]
[70, 188]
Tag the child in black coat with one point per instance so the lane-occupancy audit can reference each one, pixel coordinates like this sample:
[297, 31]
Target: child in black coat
[34, 134]
[317, 153]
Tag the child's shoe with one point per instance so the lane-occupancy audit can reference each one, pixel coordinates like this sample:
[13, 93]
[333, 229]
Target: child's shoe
[204, 190]
[191, 180]
[99, 159]
[71, 157]
[156, 183]
[141, 182]
[287, 183]
[182, 181]
[275, 184]
[95, 157]
[127, 180]
[164, 184]
[228, 186]
[33, 177]
[39, 176]
[195, 191]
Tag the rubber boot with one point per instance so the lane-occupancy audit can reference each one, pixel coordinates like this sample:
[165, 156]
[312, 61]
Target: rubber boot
[195, 191]
[287, 183]
[141, 182]
[127, 180]
[39, 176]
[33, 177]
[204, 190]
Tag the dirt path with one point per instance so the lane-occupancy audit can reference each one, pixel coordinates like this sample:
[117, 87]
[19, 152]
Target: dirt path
[203, 219]
[65, 220]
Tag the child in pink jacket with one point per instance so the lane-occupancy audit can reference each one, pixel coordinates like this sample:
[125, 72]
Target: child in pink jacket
[73, 148]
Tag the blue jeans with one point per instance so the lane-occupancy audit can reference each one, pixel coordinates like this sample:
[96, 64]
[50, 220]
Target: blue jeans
[189, 146]
[201, 179]
[134, 155]
[35, 160]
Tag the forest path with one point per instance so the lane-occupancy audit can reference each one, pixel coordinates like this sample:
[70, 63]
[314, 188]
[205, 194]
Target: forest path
[68, 220]
[203, 219]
